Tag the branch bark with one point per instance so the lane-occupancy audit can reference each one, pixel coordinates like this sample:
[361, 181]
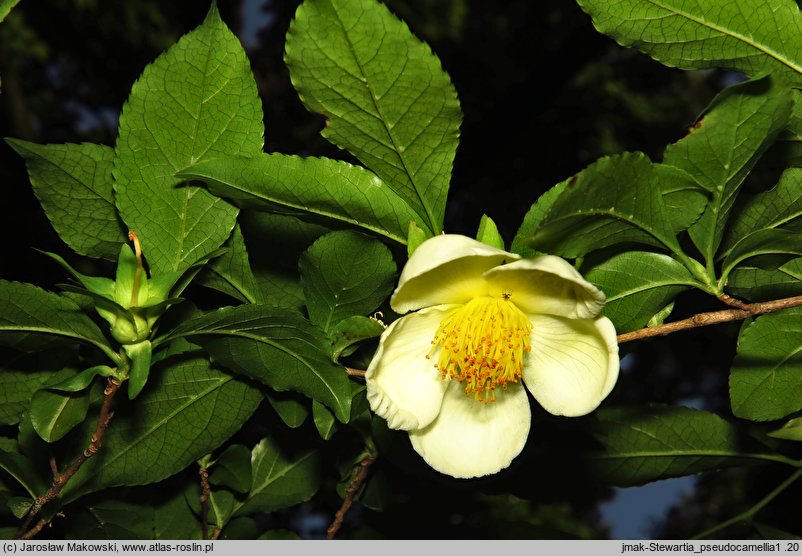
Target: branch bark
[740, 311]
[206, 491]
[61, 479]
[359, 478]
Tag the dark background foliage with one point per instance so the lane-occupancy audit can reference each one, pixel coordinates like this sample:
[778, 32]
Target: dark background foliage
[543, 95]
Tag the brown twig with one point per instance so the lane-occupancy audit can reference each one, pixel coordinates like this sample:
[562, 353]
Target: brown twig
[743, 311]
[206, 491]
[359, 478]
[61, 479]
[354, 372]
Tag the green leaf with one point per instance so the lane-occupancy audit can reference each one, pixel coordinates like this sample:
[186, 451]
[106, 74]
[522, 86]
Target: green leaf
[534, 216]
[751, 36]
[616, 200]
[774, 208]
[276, 269]
[231, 272]
[6, 6]
[737, 128]
[488, 233]
[279, 535]
[792, 430]
[233, 469]
[348, 332]
[189, 409]
[289, 408]
[74, 185]
[158, 512]
[82, 380]
[197, 100]
[275, 346]
[766, 376]
[345, 274]
[415, 236]
[21, 375]
[23, 471]
[325, 423]
[279, 479]
[34, 319]
[317, 188]
[384, 94]
[54, 414]
[648, 443]
[140, 355]
[763, 242]
[222, 504]
[760, 284]
[638, 284]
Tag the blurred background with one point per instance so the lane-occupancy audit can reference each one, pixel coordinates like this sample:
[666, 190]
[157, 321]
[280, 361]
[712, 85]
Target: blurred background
[543, 96]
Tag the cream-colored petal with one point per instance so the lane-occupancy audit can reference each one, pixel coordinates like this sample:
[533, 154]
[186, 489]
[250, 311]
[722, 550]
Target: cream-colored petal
[546, 285]
[446, 269]
[471, 438]
[403, 386]
[573, 364]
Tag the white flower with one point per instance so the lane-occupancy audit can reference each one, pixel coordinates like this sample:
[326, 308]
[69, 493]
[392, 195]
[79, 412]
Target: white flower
[485, 322]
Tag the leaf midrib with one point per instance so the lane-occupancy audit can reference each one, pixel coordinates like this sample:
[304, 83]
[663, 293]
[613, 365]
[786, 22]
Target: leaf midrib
[271, 343]
[301, 207]
[388, 130]
[273, 478]
[217, 384]
[730, 33]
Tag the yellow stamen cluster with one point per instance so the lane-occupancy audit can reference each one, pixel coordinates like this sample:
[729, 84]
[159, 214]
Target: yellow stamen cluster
[482, 344]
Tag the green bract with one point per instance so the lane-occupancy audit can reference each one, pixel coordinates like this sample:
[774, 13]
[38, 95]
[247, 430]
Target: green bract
[132, 303]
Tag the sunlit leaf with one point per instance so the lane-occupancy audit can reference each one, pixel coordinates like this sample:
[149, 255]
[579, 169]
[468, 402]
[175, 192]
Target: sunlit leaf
[384, 94]
[197, 100]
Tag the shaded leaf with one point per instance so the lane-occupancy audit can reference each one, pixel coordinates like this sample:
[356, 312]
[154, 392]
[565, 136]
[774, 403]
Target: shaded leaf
[21, 375]
[345, 274]
[231, 272]
[325, 423]
[754, 283]
[189, 410]
[23, 471]
[348, 332]
[279, 480]
[54, 414]
[233, 469]
[156, 513]
[736, 129]
[763, 242]
[774, 208]
[292, 411]
[275, 346]
[647, 443]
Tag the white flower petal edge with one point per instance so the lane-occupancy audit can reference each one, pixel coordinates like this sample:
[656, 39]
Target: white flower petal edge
[403, 386]
[573, 364]
[446, 269]
[547, 285]
[472, 439]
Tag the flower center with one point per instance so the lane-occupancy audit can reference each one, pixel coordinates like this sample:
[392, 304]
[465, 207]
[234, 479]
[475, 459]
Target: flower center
[482, 344]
